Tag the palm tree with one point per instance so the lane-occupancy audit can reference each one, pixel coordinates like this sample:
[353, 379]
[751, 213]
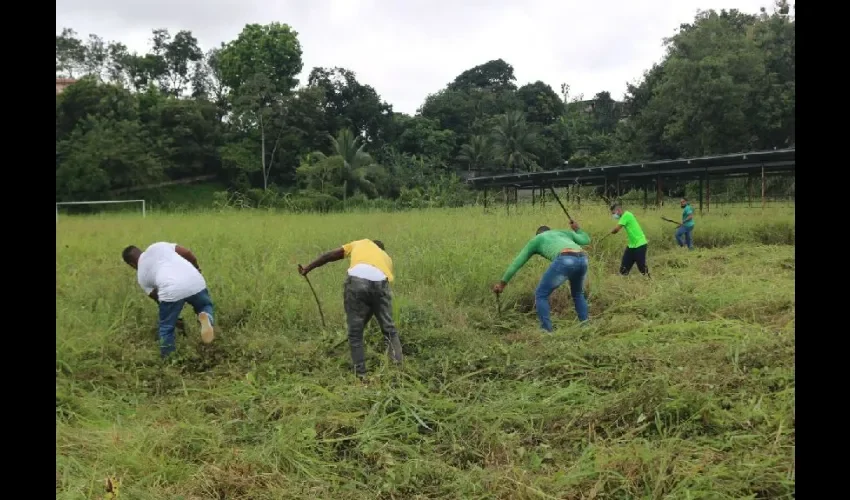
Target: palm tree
[513, 140]
[477, 153]
[355, 161]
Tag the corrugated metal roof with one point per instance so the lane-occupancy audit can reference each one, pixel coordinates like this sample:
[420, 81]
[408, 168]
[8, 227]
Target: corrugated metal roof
[775, 160]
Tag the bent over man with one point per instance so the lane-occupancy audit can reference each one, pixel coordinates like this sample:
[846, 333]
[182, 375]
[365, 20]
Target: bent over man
[366, 294]
[569, 263]
[169, 274]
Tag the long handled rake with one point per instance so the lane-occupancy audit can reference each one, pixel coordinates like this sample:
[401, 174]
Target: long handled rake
[318, 304]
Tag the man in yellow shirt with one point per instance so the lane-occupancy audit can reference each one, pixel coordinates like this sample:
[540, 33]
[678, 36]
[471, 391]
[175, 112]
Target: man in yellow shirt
[366, 294]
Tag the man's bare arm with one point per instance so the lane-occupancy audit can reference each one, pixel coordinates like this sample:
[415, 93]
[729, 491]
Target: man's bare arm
[332, 256]
[188, 255]
[154, 295]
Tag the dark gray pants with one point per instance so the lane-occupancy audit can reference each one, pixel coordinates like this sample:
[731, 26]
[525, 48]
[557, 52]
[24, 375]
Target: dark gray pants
[364, 299]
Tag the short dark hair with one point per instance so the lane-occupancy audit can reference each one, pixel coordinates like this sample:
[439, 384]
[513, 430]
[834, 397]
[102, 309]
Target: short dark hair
[379, 243]
[686, 200]
[615, 206]
[128, 252]
[543, 229]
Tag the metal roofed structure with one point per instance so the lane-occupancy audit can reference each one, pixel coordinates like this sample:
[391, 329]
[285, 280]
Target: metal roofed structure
[651, 173]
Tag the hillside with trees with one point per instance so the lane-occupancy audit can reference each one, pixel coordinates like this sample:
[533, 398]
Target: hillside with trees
[237, 114]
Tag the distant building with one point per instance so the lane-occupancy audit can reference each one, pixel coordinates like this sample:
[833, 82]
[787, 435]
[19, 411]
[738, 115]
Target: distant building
[588, 106]
[62, 83]
[484, 172]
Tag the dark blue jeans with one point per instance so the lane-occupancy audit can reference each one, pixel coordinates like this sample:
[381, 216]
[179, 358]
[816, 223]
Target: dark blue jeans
[687, 232]
[572, 268]
[170, 311]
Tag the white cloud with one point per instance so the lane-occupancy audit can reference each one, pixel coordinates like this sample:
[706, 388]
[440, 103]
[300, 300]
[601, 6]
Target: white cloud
[407, 49]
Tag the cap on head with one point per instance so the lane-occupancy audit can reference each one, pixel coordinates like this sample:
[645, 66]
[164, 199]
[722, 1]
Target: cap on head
[542, 229]
[379, 243]
[131, 255]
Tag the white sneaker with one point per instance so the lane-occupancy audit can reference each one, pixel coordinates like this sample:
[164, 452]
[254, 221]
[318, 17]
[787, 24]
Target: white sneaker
[207, 333]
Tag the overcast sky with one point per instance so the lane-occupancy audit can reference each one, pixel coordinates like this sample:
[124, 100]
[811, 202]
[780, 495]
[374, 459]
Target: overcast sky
[407, 49]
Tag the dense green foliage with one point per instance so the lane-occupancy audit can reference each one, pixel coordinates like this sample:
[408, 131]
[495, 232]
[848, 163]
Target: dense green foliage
[239, 114]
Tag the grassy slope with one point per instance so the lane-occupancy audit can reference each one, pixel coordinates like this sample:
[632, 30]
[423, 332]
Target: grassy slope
[682, 387]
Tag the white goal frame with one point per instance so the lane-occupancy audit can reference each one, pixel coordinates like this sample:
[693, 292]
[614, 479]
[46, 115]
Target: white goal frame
[105, 202]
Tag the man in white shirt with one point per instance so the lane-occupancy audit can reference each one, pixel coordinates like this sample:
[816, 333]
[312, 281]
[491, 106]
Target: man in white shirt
[170, 275]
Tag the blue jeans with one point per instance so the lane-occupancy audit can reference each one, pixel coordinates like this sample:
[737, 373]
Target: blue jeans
[563, 268]
[170, 311]
[687, 232]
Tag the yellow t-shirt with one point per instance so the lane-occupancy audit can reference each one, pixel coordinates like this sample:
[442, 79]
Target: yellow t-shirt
[367, 252]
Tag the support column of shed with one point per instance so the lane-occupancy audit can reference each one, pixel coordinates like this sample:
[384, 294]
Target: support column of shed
[658, 196]
[750, 190]
[763, 188]
[700, 195]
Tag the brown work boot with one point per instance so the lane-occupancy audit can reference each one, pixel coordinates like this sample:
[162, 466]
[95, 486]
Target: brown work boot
[207, 333]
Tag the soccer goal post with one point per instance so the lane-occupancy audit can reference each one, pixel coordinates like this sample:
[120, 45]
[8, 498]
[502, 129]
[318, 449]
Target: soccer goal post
[106, 202]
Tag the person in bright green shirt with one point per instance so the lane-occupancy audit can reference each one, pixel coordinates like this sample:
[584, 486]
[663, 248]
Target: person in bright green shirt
[569, 263]
[636, 249]
[686, 228]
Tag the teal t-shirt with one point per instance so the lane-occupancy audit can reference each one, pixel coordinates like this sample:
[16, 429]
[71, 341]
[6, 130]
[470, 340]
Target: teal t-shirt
[549, 244]
[685, 213]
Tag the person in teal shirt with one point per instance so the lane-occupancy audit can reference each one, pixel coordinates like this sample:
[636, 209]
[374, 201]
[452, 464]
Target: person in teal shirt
[686, 228]
[636, 249]
[569, 263]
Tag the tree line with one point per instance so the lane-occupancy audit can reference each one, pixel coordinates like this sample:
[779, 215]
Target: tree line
[238, 112]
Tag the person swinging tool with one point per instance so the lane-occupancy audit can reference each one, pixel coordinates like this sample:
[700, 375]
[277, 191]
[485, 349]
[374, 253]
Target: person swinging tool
[366, 294]
[569, 263]
[686, 228]
[635, 252]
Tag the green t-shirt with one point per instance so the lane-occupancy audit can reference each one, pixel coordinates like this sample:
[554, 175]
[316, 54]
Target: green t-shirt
[549, 245]
[633, 230]
[685, 213]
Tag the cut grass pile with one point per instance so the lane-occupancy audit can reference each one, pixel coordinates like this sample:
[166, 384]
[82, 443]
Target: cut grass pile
[680, 387]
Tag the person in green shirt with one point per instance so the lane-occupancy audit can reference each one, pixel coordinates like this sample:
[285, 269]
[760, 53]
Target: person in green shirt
[636, 249]
[686, 228]
[569, 263]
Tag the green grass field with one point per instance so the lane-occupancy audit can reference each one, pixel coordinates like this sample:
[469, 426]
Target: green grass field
[681, 387]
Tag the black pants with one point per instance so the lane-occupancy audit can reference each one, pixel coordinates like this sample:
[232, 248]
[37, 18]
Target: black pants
[364, 299]
[634, 256]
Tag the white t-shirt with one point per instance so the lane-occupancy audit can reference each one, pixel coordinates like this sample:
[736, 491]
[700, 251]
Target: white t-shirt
[161, 267]
[367, 272]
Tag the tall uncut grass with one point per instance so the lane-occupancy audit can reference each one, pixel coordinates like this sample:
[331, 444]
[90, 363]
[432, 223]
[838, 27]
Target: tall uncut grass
[681, 386]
